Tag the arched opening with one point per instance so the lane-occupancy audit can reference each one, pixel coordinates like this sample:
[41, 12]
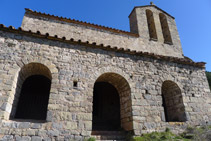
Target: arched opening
[172, 102]
[32, 93]
[151, 25]
[165, 29]
[112, 106]
[106, 107]
[33, 100]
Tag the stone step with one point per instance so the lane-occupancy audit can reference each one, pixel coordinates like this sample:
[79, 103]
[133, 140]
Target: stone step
[109, 135]
[109, 138]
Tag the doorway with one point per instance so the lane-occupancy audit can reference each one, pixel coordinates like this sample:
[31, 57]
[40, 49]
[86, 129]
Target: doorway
[106, 107]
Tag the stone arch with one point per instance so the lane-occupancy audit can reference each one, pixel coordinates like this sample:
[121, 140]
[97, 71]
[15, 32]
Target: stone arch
[165, 29]
[28, 70]
[174, 108]
[151, 25]
[124, 91]
[116, 70]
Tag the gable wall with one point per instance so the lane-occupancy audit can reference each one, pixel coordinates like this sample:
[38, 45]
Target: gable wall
[85, 33]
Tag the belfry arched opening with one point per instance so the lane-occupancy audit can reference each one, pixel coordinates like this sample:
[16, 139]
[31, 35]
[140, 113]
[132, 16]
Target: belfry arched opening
[112, 105]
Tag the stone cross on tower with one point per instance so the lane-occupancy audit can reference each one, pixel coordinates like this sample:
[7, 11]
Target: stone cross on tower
[151, 3]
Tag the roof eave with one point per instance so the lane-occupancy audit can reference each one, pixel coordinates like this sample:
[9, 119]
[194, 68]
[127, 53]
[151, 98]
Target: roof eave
[101, 46]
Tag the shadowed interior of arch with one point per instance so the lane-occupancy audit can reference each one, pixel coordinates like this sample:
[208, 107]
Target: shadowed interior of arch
[165, 29]
[33, 100]
[112, 105]
[32, 91]
[106, 107]
[151, 25]
[173, 103]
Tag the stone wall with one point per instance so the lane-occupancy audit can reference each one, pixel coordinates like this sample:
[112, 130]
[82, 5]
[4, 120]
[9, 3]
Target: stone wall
[70, 108]
[44, 24]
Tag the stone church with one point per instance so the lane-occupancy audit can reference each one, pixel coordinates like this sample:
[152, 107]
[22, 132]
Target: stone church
[64, 79]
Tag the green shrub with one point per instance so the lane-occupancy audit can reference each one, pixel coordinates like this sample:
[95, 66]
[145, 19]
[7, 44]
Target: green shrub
[158, 136]
[91, 139]
[167, 129]
[202, 133]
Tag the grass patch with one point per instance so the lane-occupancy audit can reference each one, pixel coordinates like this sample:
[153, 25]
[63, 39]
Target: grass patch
[159, 136]
[191, 134]
[91, 139]
[202, 133]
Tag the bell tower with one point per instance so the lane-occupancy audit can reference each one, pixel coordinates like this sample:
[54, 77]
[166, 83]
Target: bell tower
[152, 23]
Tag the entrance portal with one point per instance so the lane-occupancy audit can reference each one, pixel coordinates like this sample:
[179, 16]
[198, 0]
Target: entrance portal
[106, 107]
[112, 105]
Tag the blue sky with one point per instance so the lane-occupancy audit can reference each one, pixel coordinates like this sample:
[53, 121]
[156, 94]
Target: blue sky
[193, 17]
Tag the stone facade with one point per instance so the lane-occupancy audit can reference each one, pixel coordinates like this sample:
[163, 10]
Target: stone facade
[70, 29]
[144, 83]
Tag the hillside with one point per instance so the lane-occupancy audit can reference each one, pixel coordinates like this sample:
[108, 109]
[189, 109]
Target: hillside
[209, 77]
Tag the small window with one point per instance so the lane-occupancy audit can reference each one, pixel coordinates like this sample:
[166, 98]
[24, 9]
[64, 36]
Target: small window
[165, 29]
[151, 25]
[75, 84]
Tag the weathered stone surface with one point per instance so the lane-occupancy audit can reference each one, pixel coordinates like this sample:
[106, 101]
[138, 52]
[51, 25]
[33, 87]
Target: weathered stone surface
[53, 133]
[6, 107]
[46, 139]
[36, 126]
[138, 79]
[36, 138]
[30, 132]
[71, 125]
[18, 138]
[24, 125]
[8, 138]
[26, 138]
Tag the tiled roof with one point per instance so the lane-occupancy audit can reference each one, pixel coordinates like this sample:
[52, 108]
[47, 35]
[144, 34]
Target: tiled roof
[68, 20]
[37, 34]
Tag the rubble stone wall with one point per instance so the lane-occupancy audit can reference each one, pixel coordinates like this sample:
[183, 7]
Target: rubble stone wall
[69, 113]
